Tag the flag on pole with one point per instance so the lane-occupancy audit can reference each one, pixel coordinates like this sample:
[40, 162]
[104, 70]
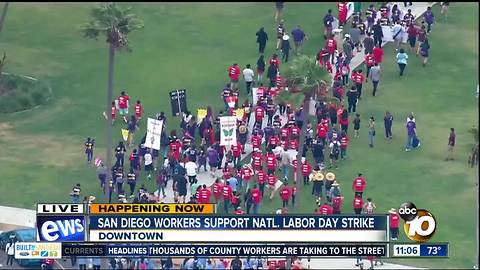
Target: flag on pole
[124, 134]
[154, 131]
[228, 130]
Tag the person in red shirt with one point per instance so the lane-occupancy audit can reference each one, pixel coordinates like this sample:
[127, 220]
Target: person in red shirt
[257, 159]
[274, 60]
[271, 180]
[174, 149]
[205, 194]
[337, 205]
[231, 101]
[295, 131]
[306, 170]
[343, 144]
[273, 141]
[123, 100]
[234, 73]
[378, 54]
[394, 223]
[358, 185]
[322, 131]
[227, 193]
[412, 32]
[342, 13]
[138, 110]
[237, 150]
[294, 144]
[198, 197]
[331, 45]
[114, 112]
[325, 209]
[227, 172]
[285, 193]
[357, 204]
[256, 141]
[217, 189]
[259, 115]
[271, 161]
[369, 63]
[246, 173]
[256, 198]
[358, 78]
[284, 132]
[261, 90]
[343, 120]
[261, 180]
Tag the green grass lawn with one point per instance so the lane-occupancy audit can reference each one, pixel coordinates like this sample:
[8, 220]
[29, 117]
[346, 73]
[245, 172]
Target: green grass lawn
[190, 46]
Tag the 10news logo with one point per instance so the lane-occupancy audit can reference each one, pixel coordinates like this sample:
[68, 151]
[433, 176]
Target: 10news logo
[420, 224]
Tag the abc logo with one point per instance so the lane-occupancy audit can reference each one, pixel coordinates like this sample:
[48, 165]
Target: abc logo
[419, 224]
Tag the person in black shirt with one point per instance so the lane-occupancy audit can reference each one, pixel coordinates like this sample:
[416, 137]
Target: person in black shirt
[89, 149]
[327, 24]
[131, 126]
[131, 180]
[388, 121]
[285, 48]
[272, 74]
[356, 125]
[352, 96]
[260, 68]
[192, 154]
[377, 33]
[262, 38]
[120, 154]
[317, 150]
[236, 264]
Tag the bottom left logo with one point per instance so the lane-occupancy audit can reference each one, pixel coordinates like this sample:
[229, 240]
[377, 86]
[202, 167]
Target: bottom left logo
[35, 250]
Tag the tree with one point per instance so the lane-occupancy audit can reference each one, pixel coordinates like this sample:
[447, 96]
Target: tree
[4, 14]
[305, 79]
[115, 22]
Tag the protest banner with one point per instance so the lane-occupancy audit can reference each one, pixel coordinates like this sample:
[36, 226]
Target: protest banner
[228, 130]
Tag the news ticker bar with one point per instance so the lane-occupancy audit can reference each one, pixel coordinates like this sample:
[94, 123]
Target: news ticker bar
[36, 250]
[29, 250]
[420, 250]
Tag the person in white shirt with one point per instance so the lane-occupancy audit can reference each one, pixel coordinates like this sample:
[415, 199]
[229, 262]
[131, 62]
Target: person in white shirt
[191, 168]
[148, 163]
[248, 75]
[397, 35]
[10, 250]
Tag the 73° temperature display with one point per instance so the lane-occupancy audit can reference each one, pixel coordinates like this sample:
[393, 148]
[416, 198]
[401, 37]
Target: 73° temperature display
[420, 250]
